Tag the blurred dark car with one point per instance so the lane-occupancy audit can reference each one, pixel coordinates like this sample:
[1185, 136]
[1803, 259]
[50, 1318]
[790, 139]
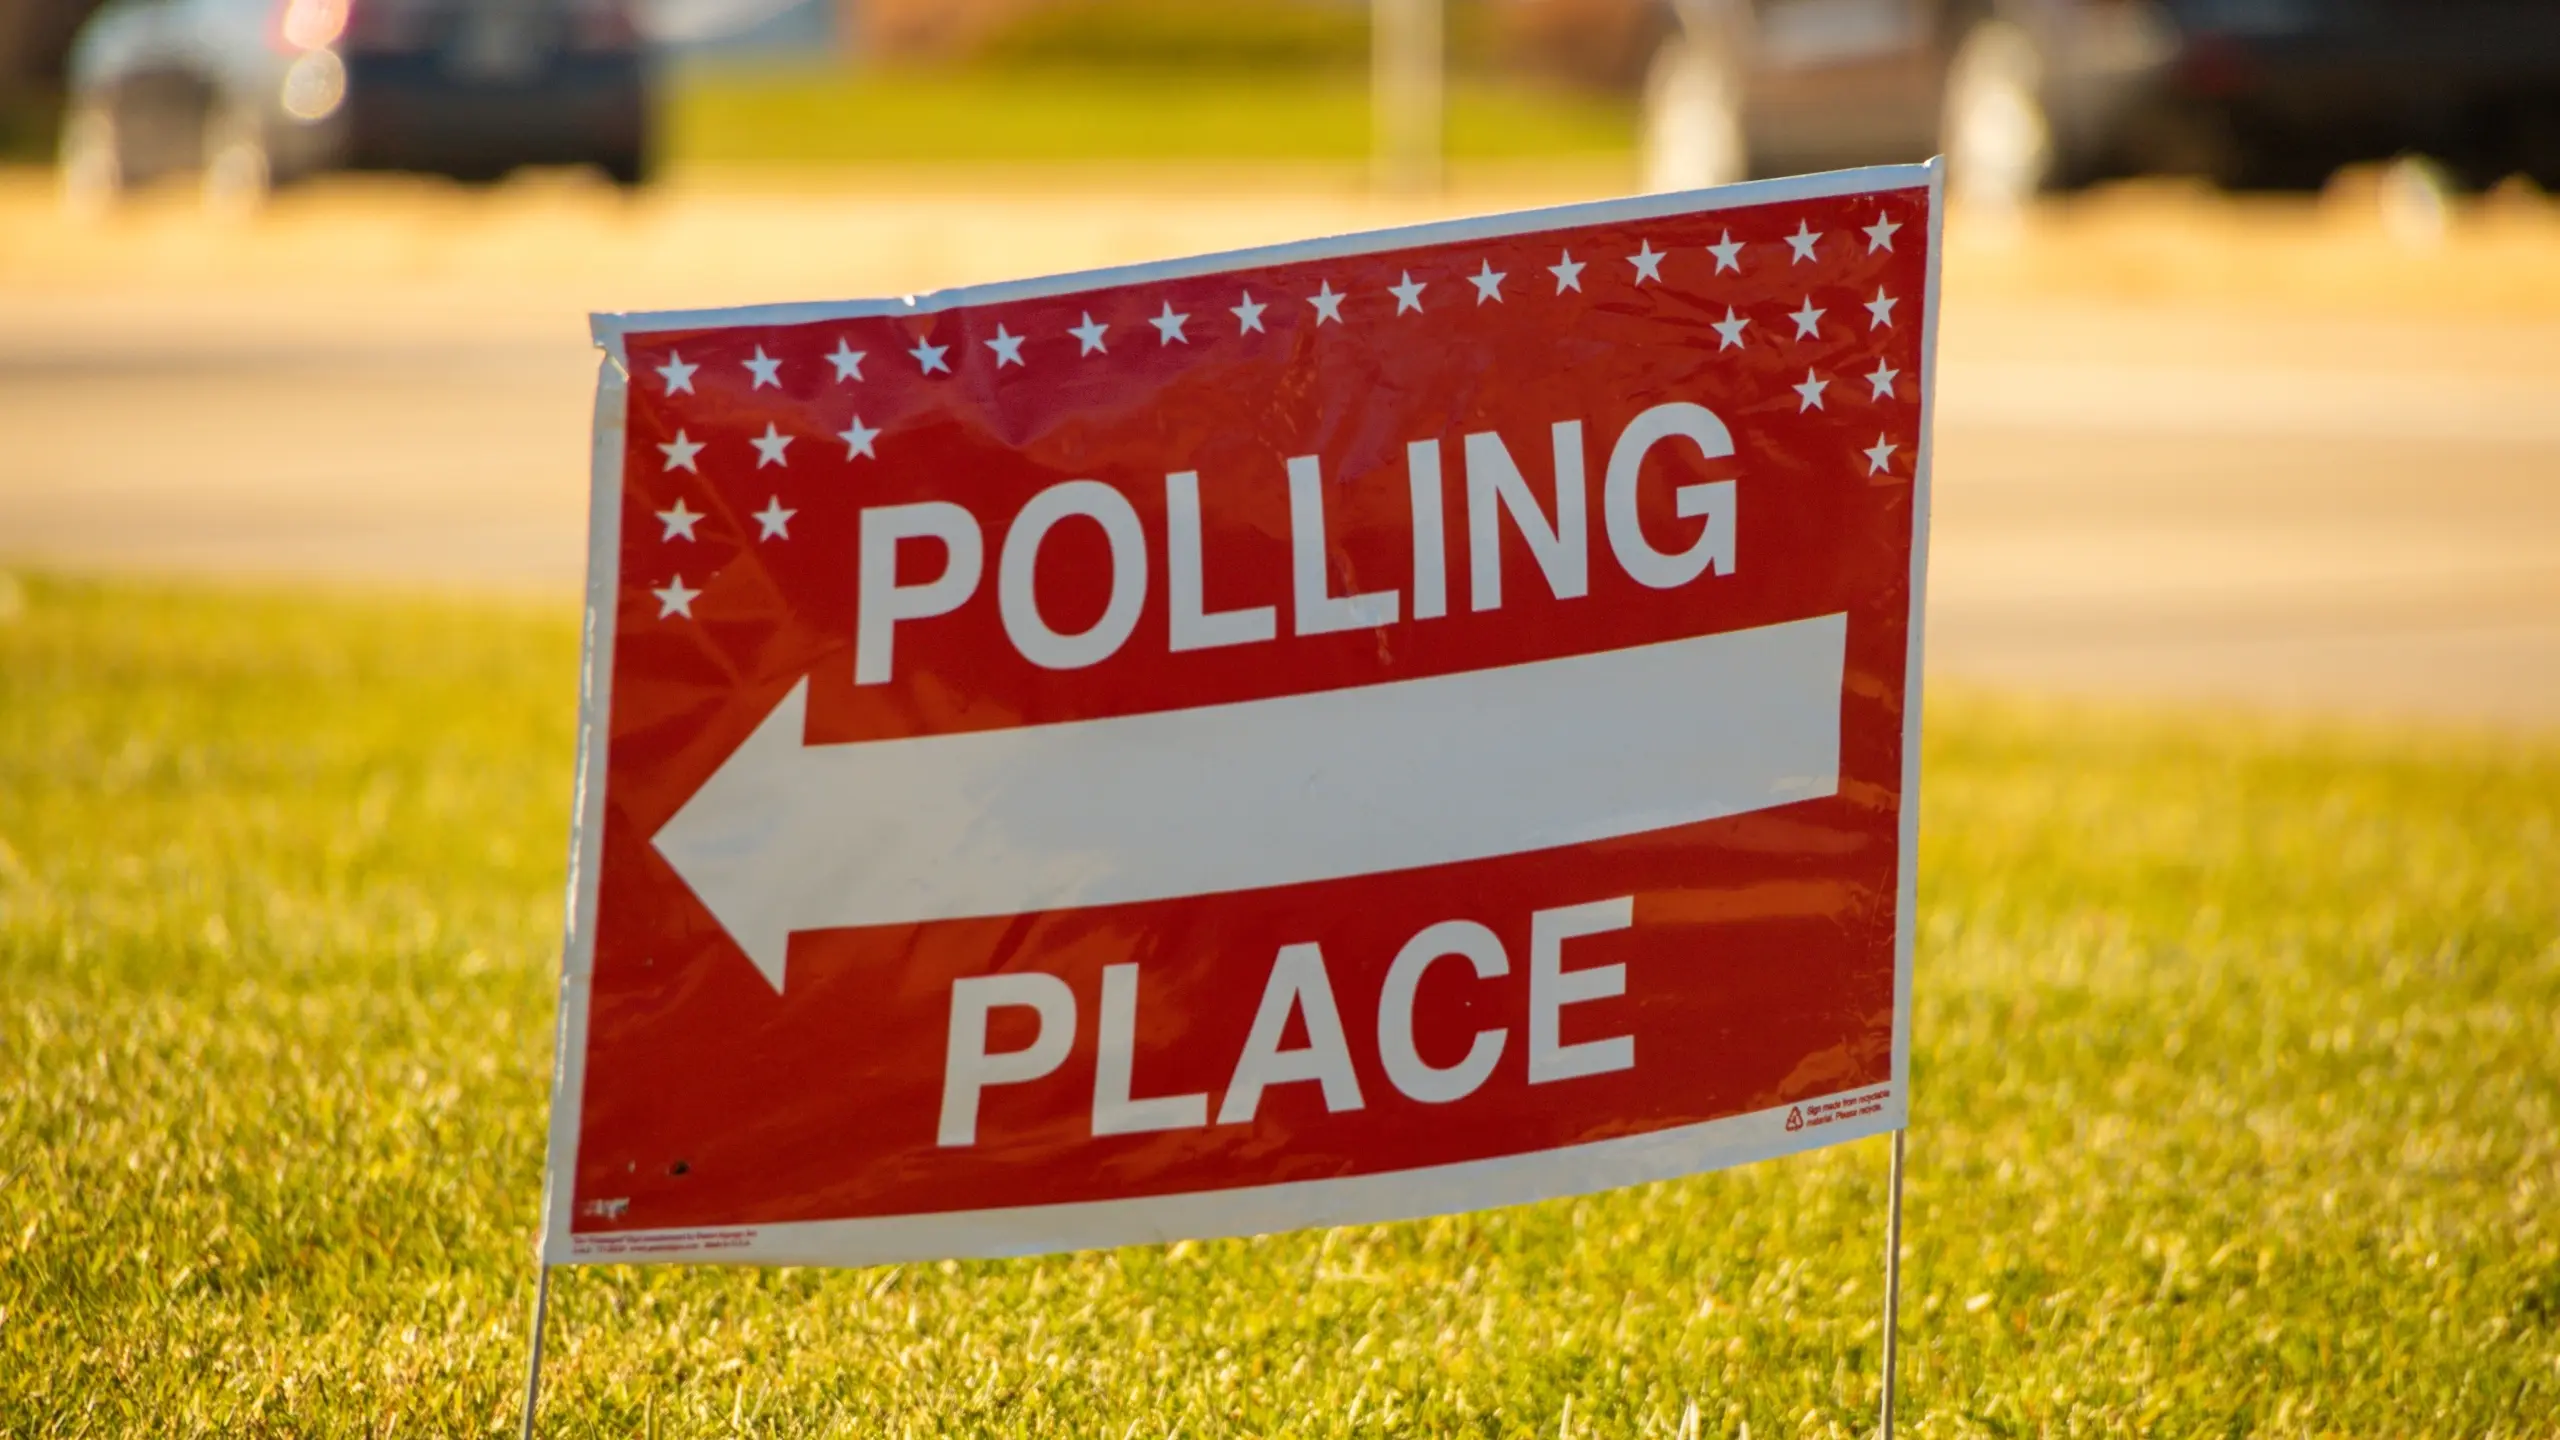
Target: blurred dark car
[2022, 95]
[248, 94]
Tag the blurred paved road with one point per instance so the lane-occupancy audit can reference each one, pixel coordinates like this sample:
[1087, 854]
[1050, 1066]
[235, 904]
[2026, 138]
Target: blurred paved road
[2166, 501]
[2306, 516]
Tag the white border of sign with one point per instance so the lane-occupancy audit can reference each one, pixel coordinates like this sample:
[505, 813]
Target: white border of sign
[1394, 1195]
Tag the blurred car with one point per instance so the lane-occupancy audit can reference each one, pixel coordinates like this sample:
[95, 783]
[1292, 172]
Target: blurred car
[249, 94]
[2022, 95]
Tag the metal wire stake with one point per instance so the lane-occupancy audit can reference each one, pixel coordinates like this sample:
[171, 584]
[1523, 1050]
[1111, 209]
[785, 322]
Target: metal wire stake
[533, 1361]
[1892, 1279]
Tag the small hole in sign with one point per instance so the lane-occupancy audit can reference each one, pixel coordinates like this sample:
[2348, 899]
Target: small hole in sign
[680, 1167]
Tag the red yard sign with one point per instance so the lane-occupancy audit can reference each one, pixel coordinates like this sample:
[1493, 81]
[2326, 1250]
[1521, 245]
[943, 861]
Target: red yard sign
[1393, 724]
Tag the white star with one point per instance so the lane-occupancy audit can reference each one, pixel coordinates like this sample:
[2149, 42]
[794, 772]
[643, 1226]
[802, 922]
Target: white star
[847, 360]
[1648, 263]
[1408, 294]
[1802, 240]
[1729, 329]
[1808, 320]
[1882, 380]
[677, 374]
[678, 520]
[1169, 325]
[1568, 272]
[1089, 336]
[1008, 347]
[857, 441]
[1328, 304]
[1811, 390]
[1880, 234]
[1488, 282]
[769, 446]
[1727, 252]
[680, 452]
[1881, 457]
[676, 599]
[1880, 309]
[929, 357]
[775, 520]
[1249, 314]
[767, 370]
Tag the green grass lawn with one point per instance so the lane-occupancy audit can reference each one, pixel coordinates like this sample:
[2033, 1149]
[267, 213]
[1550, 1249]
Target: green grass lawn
[834, 117]
[2237, 1097]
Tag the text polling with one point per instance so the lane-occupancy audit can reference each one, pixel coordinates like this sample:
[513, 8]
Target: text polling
[1555, 528]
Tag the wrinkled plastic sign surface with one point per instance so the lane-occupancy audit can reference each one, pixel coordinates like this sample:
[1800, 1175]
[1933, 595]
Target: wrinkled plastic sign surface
[1386, 725]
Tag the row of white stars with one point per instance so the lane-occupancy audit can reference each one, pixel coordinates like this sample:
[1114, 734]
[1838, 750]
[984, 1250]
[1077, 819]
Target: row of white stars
[773, 446]
[766, 370]
[774, 519]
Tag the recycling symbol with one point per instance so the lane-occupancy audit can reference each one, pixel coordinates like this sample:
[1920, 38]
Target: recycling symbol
[1795, 1117]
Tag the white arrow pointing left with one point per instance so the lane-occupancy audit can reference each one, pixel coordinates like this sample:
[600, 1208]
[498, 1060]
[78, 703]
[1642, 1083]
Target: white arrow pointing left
[788, 836]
